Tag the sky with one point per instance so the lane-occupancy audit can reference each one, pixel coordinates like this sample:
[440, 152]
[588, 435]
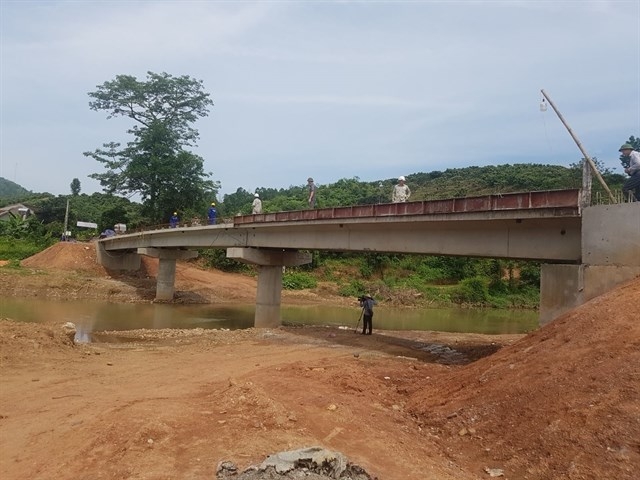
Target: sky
[327, 89]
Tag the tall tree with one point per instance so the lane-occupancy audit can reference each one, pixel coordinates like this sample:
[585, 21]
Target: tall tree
[75, 187]
[155, 164]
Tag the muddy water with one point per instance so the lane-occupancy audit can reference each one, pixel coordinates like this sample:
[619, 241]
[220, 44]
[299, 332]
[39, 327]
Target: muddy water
[90, 317]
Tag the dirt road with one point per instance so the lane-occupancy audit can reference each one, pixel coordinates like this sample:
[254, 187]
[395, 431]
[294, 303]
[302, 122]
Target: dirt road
[560, 403]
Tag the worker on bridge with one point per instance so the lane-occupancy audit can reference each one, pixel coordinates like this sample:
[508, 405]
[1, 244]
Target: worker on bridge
[631, 184]
[174, 220]
[401, 192]
[212, 214]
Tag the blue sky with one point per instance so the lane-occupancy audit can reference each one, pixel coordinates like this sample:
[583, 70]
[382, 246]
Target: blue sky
[330, 90]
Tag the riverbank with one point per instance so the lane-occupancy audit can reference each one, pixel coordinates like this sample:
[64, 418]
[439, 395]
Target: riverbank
[71, 271]
[560, 403]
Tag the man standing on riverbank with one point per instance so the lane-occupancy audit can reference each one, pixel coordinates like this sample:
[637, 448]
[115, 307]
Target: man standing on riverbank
[367, 302]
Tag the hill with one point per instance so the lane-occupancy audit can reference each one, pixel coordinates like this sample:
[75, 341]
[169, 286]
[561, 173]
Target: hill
[11, 190]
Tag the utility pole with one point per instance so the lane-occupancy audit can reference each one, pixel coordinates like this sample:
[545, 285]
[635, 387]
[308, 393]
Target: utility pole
[66, 221]
[584, 153]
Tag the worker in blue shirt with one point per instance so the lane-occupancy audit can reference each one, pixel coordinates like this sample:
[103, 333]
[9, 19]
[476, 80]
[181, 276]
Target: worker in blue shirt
[211, 215]
[174, 220]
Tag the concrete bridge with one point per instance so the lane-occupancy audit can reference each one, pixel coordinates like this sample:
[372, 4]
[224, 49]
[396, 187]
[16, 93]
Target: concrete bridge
[586, 251]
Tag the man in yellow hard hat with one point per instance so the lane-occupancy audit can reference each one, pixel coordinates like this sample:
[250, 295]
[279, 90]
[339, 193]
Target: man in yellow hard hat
[174, 220]
[212, 214]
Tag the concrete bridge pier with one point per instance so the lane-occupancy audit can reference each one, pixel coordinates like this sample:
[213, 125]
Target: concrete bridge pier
[610, 257]
[165, 282]
[269, 293]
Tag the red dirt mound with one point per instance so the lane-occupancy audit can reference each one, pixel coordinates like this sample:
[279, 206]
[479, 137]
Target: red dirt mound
[562, 403]
[68, 256]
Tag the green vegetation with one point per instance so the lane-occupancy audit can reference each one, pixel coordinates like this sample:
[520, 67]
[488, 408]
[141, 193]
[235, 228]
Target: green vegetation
[20, 238]
[10, 190]
[296, 280]
[433, 280]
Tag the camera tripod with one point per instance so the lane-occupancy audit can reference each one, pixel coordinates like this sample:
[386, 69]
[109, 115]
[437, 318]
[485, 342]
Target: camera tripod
[355, 330]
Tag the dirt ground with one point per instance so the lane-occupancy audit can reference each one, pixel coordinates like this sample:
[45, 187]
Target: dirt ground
[562, 402]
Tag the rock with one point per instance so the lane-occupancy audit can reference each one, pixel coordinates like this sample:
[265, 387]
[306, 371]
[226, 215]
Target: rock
[226, 467]
[69, 329]
[331, 463]
[314, 463]
[494, 472]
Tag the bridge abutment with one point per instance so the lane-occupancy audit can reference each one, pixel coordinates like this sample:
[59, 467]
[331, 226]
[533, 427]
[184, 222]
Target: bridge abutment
[117, 260]
[610, 257]
[269, 292]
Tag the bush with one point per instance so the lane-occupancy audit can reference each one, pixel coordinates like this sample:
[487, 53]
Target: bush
[366, 270]
[530, 274]
[217, 258]
[292, 280]
[472, 290]
[18, 249]
[498, 287]
[354, 288]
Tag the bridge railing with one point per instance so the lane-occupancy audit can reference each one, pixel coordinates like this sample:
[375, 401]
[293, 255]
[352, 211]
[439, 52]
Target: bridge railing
[602, 198]
[508, 201]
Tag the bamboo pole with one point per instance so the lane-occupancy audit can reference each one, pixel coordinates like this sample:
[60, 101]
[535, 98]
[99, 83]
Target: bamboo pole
[584, 153]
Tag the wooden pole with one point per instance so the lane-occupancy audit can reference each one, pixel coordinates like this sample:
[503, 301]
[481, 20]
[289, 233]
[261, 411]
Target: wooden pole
[584, 153]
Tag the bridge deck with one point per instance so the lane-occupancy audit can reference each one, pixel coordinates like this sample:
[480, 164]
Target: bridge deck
[565, 202]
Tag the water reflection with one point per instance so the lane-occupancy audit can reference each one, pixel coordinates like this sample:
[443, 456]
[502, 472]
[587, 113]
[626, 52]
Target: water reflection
[92, 317]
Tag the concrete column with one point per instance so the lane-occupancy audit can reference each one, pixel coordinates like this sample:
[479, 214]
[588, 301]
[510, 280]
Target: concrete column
[269, 292]
[165, 286]
[165, 282]
[268, 297]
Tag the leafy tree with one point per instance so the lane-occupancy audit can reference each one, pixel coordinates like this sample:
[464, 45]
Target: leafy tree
[238, 202]
[75, 187]
[598, 163]
[155, 164]
[112, 216]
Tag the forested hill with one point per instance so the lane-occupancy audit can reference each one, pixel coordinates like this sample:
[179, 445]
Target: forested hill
[450, 183]
[9, 189]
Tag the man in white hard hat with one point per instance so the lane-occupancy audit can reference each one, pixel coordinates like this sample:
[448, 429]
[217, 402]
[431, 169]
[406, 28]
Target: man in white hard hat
[256, 206]
[401, 192]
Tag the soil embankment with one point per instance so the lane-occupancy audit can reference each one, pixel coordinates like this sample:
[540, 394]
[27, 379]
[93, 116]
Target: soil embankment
[560, 403]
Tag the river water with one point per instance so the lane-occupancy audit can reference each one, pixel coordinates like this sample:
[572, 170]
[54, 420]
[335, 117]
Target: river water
[90, 317]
